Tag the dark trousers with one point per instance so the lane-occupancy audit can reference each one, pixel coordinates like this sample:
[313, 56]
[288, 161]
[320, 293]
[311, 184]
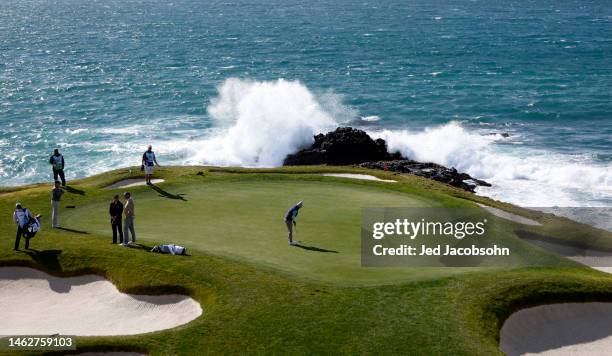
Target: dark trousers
[117, 229]
[21, 232]
[60, 173]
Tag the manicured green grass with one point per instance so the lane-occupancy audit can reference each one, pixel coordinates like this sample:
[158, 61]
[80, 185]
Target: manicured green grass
[244, 220]
[260, 296]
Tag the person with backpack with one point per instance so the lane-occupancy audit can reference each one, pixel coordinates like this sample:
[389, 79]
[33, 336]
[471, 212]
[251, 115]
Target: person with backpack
[27, 226]
[56, 196]
[58, 164]
[290, 217]
[148, 161]
[116, 211]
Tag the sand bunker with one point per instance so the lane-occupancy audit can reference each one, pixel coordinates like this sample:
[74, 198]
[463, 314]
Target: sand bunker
[559, 329]
[357, 176]
[509, 216]
[562, 329]
[35, 303]
[132, 182]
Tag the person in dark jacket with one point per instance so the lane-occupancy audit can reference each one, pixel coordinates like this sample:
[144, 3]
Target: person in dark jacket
[116, 212]
[57, 162]
[290, 217]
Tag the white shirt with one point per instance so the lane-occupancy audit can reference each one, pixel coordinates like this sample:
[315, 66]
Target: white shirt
[21, 217]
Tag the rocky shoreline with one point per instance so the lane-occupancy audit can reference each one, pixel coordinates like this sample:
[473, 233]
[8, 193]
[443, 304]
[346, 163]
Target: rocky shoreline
[429, 170]
[349, 146]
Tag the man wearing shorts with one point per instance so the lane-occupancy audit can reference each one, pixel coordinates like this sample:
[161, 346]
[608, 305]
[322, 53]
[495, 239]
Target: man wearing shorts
[148, 161]
[57, 162]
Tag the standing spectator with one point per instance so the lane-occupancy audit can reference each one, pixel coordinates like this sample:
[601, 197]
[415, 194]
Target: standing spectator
[22, 217]
[56, 196]
[148, 161]
[128, 226]
[58, 164]
[116, 214]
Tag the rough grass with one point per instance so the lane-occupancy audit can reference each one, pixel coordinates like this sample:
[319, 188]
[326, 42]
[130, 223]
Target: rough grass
[256, 308]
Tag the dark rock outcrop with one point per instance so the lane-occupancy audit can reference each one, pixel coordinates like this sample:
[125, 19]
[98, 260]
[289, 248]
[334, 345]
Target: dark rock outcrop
[433, 171]
[349, 146]
[343, 146]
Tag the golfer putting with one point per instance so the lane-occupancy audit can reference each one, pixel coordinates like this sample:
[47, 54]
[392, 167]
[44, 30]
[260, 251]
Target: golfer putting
[290, 217]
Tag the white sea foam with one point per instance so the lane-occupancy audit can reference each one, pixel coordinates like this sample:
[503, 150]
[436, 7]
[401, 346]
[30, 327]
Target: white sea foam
[526, 177]
[371, 118]
[76, 131]
[260, 122]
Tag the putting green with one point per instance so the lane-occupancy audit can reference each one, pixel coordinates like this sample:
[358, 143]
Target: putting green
[244, 220]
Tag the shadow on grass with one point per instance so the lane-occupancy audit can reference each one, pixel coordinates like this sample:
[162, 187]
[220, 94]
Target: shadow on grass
[73, 230]
[46, 258]
[140, 247]
[315, 249]
[73, 190]
[166, 194]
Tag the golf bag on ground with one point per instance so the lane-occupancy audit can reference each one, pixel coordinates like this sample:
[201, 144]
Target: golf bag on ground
[170, 249]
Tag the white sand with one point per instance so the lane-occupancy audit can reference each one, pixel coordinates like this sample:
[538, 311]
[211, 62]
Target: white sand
[567, 328]
[358, 176]
[559, 329]
[35, 303]
[509, 216]
[132, 182]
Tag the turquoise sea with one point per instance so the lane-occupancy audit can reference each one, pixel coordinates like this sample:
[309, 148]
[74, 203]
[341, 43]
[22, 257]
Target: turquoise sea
[247, 82]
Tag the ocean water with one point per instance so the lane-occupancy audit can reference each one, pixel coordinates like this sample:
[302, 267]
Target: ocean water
[247, 82]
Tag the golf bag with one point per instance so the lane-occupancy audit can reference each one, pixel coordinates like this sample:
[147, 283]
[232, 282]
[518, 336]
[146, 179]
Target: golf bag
[170, 249]
[32, 227]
